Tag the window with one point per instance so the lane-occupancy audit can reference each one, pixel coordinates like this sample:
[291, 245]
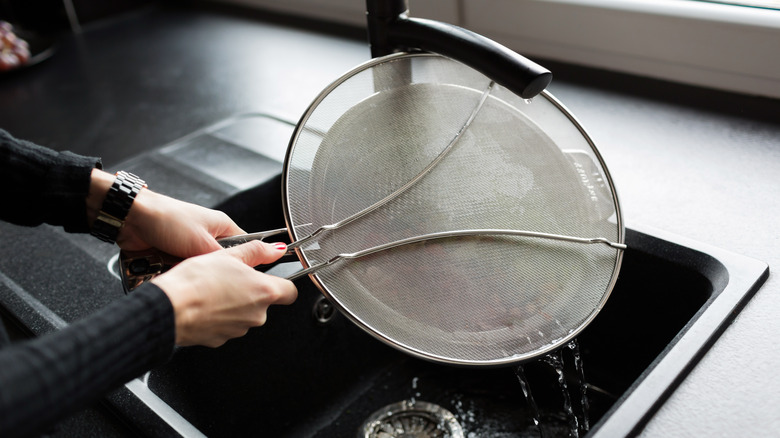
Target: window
[705, 43]
[702, 43]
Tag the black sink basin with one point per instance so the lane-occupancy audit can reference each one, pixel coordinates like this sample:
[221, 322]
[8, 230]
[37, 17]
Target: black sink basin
[307, 373]
[298, 376]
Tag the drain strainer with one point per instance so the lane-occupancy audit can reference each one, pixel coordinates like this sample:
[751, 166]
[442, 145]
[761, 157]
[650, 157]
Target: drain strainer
[411, 419]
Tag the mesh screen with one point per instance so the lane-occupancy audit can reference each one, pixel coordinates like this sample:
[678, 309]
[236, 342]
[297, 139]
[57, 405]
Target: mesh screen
[520, 165]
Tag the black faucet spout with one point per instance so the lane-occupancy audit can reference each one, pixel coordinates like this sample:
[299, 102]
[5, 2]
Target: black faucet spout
[390, 29]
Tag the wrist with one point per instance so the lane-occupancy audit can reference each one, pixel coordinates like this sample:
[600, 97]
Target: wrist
[107, 208]
[186, 304]
[98, 188]
[141, 215]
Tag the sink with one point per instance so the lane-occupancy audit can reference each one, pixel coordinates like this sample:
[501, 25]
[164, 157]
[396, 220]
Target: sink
[312, 373]
[309, 372]
[306, 373]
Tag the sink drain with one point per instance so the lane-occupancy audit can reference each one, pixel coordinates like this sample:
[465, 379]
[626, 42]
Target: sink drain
[409, 419]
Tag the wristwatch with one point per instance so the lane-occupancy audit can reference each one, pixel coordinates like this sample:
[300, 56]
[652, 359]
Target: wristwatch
[115, 207]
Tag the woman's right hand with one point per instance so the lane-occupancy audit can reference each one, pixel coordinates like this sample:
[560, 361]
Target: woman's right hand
[219, 296]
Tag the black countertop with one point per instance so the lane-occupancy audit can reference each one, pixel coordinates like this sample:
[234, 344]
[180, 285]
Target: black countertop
[693, 162]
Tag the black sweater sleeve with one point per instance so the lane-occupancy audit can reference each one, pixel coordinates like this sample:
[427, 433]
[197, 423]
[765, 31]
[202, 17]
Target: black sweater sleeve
[44, 379]
[40, 185]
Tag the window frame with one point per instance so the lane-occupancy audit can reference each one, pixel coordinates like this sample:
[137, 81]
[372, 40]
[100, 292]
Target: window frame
[727, 47]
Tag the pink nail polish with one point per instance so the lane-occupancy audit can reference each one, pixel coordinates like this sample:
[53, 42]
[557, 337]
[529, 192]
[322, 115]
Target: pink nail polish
[280, 246]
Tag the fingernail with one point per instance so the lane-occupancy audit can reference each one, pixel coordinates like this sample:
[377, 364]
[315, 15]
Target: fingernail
[280, 246]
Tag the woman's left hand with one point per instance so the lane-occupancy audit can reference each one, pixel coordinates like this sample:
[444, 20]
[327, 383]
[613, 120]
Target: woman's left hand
[157, 221]
[176, 227]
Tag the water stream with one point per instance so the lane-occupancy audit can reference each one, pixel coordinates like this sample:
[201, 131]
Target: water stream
[529, 397]
[555, 360]
[574, 346]
[579, 420]
[559, 408]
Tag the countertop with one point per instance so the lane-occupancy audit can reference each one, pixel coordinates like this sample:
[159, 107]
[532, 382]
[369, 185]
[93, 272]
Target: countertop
[698, 163]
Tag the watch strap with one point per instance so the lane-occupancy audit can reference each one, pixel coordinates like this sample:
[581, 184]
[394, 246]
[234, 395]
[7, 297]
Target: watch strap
[115, 207]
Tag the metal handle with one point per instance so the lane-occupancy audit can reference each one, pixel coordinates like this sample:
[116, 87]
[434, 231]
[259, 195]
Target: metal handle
[449, 234]
[138, 267]
[231, 241]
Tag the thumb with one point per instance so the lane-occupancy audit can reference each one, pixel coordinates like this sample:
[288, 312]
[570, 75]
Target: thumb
[255, 252]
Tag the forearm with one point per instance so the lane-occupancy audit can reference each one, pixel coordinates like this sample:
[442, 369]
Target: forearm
[39, 185]
[44, 379]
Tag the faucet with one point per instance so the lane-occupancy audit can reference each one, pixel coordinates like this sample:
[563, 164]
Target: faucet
[391, 29]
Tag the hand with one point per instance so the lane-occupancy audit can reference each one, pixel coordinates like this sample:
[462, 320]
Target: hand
[158, 221]
[219, 296]
[176, 227]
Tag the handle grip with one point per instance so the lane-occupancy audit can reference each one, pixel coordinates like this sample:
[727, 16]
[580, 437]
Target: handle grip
[138, 267]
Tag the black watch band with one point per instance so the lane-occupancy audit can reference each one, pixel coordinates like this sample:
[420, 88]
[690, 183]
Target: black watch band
[115, 207]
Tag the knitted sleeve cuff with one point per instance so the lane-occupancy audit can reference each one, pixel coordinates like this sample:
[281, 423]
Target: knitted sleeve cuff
[40, 185]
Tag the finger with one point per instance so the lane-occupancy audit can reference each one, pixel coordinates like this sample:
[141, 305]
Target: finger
[233, 230]
[255, 252]
[199, 243]
[286, 292]
[228, 229]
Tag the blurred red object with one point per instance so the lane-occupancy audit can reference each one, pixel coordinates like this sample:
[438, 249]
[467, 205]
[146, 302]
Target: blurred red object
[14, 51]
